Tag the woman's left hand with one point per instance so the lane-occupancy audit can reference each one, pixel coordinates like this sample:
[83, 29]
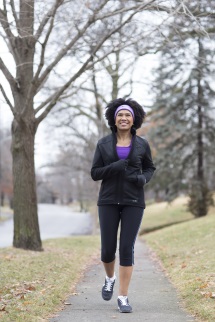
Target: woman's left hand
[138, 179]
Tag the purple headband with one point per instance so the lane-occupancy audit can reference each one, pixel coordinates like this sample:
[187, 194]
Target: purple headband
[124, 107]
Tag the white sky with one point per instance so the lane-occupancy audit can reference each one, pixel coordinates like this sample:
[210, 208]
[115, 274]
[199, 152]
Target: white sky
[46, 144]
[46, 149]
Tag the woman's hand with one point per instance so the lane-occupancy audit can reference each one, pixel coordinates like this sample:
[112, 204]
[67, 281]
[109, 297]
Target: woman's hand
[138, 179]
[120, 165]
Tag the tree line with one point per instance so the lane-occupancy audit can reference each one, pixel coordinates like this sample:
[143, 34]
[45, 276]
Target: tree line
[71, 58]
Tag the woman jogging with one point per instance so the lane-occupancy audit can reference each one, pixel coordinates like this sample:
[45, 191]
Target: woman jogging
[123, 162]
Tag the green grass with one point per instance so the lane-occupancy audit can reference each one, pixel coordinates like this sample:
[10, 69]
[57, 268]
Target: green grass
[187, 253]
[163, 214]
[35, 284]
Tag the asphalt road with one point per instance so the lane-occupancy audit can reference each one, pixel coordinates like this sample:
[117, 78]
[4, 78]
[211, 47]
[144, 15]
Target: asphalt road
[55, 221]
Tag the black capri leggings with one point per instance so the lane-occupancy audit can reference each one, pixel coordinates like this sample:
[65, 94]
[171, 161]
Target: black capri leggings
[109, 218]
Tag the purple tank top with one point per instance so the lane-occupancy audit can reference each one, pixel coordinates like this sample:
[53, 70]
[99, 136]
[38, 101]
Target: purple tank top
[123, 151]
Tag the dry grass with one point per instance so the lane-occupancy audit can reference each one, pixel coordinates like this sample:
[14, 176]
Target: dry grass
[187, 253]
[35, 284]
[163, 214]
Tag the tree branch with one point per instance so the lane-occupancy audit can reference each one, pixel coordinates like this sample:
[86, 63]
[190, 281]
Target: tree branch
[43, 50]
[64, 50]
[5, 24]
[14, 14]
[49, 14]
[11, 80]
[124, 10]
[56, 96]
[79, 112]
[82, 112]
[7, 99]
[32, 85]
[4, 3]
[77, 133]
[50, 98]
[82, 69]
[44, 103]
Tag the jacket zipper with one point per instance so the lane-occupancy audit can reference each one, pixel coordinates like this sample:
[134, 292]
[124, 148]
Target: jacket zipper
[119, 186]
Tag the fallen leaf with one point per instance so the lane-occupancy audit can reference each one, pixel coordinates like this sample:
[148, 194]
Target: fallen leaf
[30, 288]
[27, 303]
[203, 285]
[207, 294]
[212, 295]
[3, 308]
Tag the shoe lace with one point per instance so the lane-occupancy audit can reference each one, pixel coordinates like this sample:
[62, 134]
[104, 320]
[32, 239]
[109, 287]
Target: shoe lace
[108, 285]
[124, 301]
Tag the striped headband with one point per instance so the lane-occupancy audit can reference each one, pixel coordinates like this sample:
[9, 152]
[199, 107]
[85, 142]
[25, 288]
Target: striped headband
[124, 107]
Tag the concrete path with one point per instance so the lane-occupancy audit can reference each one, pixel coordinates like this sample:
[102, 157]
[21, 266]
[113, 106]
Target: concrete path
[151, 295]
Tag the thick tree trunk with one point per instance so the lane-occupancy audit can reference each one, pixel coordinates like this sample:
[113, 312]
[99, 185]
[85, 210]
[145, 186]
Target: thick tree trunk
[26, 226]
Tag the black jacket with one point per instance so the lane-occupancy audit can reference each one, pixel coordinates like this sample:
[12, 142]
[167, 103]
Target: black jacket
[122, 180]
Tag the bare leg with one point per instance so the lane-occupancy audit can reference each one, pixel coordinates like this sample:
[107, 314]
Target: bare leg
[109, 268]
[125, 273]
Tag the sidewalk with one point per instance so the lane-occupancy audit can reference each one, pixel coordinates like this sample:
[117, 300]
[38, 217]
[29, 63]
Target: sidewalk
[151, 295]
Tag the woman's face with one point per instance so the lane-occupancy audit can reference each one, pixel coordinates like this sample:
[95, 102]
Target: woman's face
[124, 120]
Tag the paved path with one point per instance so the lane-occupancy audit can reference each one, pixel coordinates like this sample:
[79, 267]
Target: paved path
[151, 295]
[55, 221]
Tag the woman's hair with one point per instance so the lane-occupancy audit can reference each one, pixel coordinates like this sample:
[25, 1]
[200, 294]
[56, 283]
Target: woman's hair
[137, 108]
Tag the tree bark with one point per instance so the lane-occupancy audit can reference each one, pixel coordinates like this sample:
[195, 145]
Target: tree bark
[26, 225]
[24, 126]
[200, 171]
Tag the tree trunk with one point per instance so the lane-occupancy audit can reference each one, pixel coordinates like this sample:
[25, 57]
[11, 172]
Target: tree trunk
[26, 226]
[200, 196]
[200, 171]
[2, 199]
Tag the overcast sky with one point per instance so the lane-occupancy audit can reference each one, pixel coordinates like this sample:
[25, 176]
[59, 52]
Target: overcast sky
[45, 148]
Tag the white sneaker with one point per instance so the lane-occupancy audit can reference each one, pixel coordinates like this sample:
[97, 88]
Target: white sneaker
[123, 304]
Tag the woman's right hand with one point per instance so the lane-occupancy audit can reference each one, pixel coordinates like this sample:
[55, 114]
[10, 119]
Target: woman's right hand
[120, 165]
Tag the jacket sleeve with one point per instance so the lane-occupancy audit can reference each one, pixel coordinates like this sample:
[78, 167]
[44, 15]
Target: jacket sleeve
[148, 167]
[99, 171]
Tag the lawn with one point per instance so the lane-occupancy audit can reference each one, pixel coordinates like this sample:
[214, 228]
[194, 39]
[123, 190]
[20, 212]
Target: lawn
[36, 284]
[186, 251]
[159, 215]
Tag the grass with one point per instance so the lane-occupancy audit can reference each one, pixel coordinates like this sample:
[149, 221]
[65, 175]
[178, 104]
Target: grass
[162, 214]
[187, 254]
[35, 284]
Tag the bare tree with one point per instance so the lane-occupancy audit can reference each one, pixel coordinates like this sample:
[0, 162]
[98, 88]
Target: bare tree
[49, 42]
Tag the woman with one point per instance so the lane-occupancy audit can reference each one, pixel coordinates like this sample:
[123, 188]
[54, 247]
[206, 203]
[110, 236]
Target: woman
[123, 162]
